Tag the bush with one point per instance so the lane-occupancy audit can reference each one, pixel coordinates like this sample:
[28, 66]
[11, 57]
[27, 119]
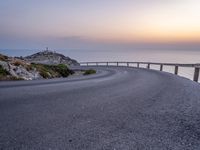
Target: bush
[63, 70]
[44, 73]
[3, 57]
[18, 63]
[51, 71]
[90, 71]
[42, 69]
[29, 67]
[3, 72]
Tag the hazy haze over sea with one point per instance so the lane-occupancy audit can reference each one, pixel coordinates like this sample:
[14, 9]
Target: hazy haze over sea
[173, 56]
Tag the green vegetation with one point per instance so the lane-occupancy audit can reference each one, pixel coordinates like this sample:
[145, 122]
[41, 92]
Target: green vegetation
[52, 71]
[63, 70]
[90, 71]
[3, 72]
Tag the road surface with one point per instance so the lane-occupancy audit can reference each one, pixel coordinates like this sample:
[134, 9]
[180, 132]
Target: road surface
[118, 108]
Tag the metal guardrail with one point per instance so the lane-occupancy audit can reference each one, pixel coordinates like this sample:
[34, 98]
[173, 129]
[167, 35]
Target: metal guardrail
[176, 66]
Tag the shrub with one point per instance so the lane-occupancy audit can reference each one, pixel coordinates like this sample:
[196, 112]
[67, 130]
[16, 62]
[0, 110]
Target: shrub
[63, 70]
[50, 71]
[3, 72]
[42, 69]
[17, 63]
[90, 71]
[3, 57]
[29, 67]
[44, 74]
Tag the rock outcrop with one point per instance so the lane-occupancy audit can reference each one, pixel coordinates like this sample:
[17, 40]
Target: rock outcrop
[50, 58]
[17, 69]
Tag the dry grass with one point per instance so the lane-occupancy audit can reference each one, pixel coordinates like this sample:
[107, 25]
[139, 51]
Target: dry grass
[18, 62]
[3, 57]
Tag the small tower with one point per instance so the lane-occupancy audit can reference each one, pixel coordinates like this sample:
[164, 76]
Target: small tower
[47, 48]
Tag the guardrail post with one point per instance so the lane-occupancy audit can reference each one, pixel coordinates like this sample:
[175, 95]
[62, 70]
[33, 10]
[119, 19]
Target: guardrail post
[138, 65]
[196, 74]
[117, 63]
[87, 64]
[127, 64]
[148, 66]
[161, 67]
[176, 70]
[107, 63]
[96, 63]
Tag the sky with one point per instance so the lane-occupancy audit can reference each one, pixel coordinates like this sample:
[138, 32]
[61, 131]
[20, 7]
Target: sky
[100, 24]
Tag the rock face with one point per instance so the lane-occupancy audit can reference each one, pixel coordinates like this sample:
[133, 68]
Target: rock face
[50, 58]
[23, 73]
[18, 69]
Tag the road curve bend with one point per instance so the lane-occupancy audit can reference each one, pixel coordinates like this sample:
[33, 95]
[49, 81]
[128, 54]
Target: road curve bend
[119, 108]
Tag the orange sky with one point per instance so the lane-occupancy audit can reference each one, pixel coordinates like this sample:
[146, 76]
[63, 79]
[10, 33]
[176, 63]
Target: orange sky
[148, 21]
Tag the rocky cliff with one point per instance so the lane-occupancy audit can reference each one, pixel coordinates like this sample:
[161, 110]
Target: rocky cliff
[50, 58]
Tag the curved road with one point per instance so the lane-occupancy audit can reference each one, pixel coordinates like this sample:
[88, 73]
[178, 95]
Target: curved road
[118, 108]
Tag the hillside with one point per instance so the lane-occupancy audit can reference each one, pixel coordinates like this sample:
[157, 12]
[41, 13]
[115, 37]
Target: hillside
[50, 58]
[12, 68]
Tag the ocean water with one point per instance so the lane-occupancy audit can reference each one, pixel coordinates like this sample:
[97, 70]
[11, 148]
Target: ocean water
[162, 56]
[146, 56]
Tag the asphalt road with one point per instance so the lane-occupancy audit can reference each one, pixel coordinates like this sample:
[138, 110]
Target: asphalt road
[118, 108]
